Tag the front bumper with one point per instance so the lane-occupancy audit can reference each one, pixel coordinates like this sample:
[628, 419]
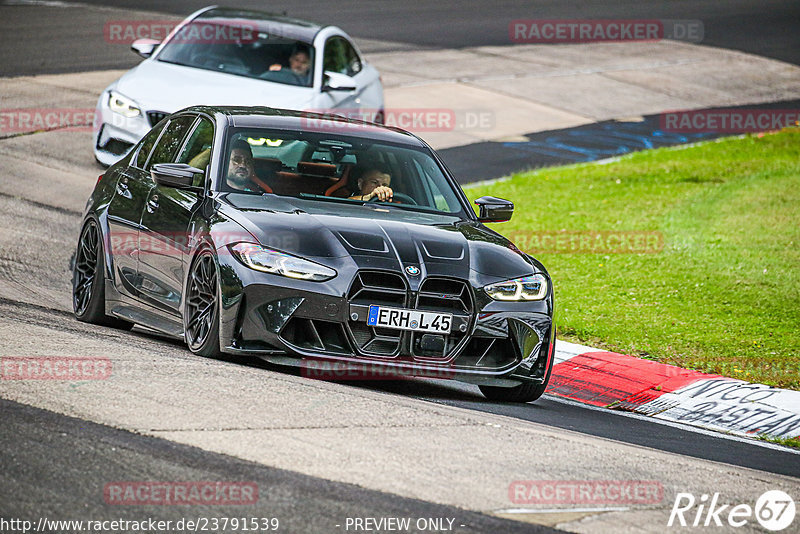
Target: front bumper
[295, 322]
[115, 134]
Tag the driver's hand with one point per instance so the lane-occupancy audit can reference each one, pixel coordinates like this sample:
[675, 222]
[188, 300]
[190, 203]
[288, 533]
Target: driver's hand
[276, 66]
[383, 193]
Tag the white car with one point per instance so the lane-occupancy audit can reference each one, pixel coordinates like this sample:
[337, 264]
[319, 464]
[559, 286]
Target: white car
[233, 57]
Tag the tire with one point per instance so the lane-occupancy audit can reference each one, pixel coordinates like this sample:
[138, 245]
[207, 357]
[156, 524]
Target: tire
[201, 306]
[521, 393]
[88, 280]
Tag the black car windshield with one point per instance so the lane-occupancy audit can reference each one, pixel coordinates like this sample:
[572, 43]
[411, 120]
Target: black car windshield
[238, 47]
[319, 166]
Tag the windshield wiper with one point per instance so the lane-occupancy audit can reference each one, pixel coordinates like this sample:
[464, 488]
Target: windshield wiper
[408, 207]
[180, 64]
[309, 196]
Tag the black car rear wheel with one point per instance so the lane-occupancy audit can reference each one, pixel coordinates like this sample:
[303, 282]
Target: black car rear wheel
[88, 280]
[201, 312]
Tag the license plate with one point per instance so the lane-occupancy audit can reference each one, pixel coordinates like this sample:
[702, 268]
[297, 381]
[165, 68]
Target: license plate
[419, 321]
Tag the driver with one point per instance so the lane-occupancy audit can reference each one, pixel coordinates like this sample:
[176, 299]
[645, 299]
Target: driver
[373, 182]
[241, 169]
[299, 64]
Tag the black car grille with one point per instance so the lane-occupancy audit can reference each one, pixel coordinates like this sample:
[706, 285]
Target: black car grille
[384, 289]
[376, 340]
[442, 295]
[389, 289]
[376, 287]
[154, 117]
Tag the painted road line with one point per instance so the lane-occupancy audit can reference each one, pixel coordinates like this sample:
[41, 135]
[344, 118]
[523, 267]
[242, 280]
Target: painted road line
[682, 426]
[622, 382]
[732, 406]
[603, 378]
[560, 510]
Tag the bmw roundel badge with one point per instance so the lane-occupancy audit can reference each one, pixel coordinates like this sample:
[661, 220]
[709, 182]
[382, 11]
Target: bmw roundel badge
[412, 270]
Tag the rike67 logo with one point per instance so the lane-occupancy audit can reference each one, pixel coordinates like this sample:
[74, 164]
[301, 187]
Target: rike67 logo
[774, 510]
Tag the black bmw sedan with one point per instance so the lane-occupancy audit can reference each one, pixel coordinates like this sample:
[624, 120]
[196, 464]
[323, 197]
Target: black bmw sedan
[302, 238]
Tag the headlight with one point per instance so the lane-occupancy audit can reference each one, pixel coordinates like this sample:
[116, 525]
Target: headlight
[274, 262]
[123, 105]
[532, 287]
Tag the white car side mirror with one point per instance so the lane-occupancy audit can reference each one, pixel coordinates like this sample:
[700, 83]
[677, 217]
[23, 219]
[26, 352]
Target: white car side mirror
[335, 81]
[145, 47]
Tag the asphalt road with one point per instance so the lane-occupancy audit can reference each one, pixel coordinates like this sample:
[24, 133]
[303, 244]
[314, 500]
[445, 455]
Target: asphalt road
[591, 142]
[58, 464]
[82, 458]
[569, 415]
[561, 413]
[64, 41]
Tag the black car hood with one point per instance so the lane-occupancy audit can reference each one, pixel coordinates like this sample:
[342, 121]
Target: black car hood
[375, 237]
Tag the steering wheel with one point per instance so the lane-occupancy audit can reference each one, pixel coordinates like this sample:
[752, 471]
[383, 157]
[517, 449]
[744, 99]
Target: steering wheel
[401, 197]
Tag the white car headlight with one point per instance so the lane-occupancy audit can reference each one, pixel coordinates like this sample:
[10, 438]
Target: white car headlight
[532, 287]
[275, 262]
[123, 105]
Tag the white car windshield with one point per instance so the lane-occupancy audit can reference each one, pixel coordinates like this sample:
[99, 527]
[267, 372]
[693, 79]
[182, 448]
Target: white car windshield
[237, 47]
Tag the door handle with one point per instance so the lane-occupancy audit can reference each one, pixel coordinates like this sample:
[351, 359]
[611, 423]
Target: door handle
[152, 204]
[122, 188]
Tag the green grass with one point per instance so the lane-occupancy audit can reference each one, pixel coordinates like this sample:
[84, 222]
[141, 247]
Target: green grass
[722, 296]
[786, 442]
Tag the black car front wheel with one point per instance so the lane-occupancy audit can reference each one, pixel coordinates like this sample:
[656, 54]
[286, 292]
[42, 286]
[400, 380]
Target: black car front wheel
[88, 281]
[521, 393]
[201, 311]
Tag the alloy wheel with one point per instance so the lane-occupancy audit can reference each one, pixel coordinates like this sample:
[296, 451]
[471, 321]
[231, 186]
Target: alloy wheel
[85, 269]
[201, 300]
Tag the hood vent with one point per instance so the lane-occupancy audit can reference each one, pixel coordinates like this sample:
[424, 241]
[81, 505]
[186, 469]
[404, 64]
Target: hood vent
[443, 250]
[364, 242]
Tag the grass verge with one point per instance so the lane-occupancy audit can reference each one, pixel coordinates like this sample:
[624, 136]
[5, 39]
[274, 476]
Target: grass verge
[689, 256]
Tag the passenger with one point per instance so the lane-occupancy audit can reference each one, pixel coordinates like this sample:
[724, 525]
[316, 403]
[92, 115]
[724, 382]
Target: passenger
[241, 169]
[373, 182]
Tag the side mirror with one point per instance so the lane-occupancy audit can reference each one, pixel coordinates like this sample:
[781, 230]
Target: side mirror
[145, 47]
[493, 209]
[177, 175]
[336, 81]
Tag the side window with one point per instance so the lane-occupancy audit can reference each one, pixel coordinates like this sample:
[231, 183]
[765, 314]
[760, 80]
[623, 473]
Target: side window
[434, 187]
[197, 149]
[353, 60]
[147, 145]
[438, 198]
[341, 57]
[168, 145]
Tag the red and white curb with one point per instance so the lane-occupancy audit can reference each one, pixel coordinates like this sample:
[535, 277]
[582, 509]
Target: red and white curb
[713, 402]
